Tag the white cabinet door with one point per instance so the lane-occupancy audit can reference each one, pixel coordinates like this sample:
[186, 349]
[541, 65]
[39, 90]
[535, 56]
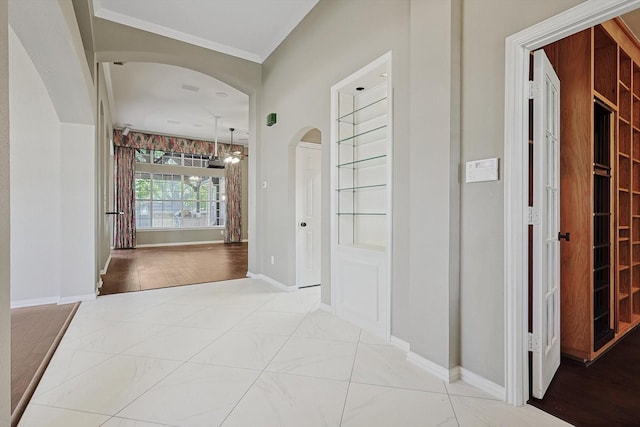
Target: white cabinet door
[546, 246]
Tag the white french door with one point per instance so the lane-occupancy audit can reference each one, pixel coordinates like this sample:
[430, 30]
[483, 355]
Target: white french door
[545, 338]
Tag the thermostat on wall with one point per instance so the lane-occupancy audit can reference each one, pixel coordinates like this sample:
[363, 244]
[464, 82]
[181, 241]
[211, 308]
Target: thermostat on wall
[482, 170]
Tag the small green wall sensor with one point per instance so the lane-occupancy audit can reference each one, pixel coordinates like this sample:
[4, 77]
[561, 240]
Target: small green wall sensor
[271, 119]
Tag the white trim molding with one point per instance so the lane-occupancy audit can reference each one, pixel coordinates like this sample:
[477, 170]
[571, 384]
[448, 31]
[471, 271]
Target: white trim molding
[33, 302]
[448, 375]
[76, 298]
[516, 166]
[157, 245]
[400, 344]
[325, 307]
[273, 282]
[482, 383]
[106, 266]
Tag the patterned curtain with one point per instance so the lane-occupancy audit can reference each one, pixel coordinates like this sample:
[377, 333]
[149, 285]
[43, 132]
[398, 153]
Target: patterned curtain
[125, 225]
[173, 144]
[233, 188]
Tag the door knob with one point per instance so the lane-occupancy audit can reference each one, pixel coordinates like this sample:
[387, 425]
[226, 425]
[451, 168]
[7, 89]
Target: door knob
[303, 224]
[565, 236]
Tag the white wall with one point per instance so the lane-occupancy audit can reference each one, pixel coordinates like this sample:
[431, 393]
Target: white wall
[78, 213]
[53, 192]
[35, 183]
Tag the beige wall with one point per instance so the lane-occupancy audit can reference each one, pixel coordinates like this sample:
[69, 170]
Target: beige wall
[5, 322]
[448, 67]
[115, 42]
[333, 41]
[486, 24]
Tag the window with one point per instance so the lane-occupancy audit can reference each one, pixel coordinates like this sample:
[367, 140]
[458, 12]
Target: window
[158, 157]
[169, 200]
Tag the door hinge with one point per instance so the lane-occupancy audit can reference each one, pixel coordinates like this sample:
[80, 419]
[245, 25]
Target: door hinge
[533, 89]
[533, 217]
[533, 343]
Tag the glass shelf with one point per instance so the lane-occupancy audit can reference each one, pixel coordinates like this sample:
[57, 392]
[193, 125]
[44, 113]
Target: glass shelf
[363, 187]
[368, 162]
[352, 116]
[351, 139]
[361, 214]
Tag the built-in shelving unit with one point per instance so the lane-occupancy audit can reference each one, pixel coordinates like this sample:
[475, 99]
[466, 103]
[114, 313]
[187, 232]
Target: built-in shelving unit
[362, 146]
[600, 134]
[361, 156]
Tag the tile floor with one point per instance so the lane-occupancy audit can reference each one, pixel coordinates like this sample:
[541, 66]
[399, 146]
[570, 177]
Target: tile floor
[241, 353]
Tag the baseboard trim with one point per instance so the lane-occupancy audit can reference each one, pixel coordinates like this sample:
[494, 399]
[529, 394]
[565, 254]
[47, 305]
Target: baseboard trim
[448, 375]
[157, 245]
[76, 298]
[32, 302]
[483, 384]
[400, 344]
[106, 266]
[273, 282]
[325, 307]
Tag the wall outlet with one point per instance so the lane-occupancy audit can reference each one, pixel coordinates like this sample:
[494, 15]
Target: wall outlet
[273, 260]
[221, 231]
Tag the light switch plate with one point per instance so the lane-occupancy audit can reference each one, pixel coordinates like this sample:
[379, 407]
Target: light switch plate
[482, 170]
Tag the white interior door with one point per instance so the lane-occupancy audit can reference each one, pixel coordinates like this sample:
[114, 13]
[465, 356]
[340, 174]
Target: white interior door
[545, 339]
[308, 243]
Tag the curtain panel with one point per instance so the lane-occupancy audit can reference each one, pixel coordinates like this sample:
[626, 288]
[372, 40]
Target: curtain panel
[173, 144]
[233, 188]
[124, 235]
[141, 140]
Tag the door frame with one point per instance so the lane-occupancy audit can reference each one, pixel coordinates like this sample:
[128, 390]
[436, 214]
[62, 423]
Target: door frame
[318, 197]
[516, 174]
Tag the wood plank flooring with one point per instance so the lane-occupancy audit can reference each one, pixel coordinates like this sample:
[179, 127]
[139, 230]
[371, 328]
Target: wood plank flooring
[606, 393]
[33, 332]
[161, 267]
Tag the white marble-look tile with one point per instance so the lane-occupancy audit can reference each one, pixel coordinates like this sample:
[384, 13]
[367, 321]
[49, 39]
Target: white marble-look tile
[300, 301]
[81, 327]
[316, 358]
[320, 324]
[270, 322]
[41, 416]
[65, 365]
[279, 400]
[461, 388]
[125, 422]
[166, 314]
[115, 338]
[242, 350]
[221, 318]
[109, 387]
[378, 406]
[175, 343]
[193, 395]
[388, 366]
[367, 338]
[473, 412]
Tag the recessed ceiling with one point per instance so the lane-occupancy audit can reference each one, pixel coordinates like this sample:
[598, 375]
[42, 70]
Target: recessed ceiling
[166, 99]
[248, 29]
